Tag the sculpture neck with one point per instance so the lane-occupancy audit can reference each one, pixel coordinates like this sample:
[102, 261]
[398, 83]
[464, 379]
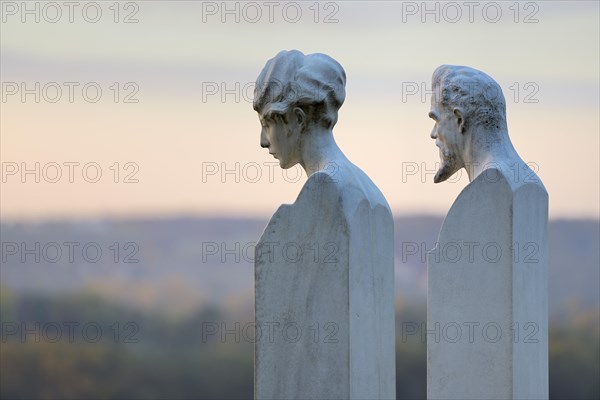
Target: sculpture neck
[319, 150]
[488, 149]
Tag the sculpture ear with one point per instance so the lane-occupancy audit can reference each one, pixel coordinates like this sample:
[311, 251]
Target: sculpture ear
[460, 119]
[300, 118]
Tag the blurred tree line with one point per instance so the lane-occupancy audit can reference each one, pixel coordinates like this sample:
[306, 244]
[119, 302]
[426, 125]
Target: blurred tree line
[161, 357]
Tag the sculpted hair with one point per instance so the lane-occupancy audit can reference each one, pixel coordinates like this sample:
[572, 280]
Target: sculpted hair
[314, 82]
[474, 92]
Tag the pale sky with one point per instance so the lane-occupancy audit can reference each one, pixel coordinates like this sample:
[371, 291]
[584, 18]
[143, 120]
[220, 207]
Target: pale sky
[194, 148]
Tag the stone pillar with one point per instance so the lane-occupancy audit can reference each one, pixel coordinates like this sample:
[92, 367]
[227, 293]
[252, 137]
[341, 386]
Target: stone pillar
[325, 297]
[487, 317]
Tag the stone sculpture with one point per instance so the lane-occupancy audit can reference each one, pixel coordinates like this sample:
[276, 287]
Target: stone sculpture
[324, 267]
[487, 319]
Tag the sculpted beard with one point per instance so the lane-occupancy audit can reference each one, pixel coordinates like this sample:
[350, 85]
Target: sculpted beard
[448, 166]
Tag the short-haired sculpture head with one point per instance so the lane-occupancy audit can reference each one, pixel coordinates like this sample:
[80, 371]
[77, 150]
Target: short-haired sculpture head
[297, 94]
[469, 111]
[293, 79]
[476, 93]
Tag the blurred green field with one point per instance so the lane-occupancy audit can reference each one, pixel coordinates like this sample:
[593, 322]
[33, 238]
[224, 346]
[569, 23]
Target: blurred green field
[168, 358]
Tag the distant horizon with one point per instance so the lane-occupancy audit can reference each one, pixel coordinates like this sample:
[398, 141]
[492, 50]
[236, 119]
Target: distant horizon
[216, 216]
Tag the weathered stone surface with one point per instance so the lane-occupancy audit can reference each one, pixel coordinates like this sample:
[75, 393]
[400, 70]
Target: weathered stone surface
[325, 264]
[487, 301]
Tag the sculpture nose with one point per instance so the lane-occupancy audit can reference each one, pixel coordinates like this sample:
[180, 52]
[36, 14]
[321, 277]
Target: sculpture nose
[264, 142]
